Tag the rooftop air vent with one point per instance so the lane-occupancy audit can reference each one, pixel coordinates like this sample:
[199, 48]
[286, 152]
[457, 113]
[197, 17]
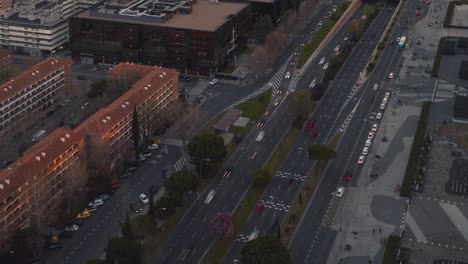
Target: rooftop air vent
[38, 158]
[1, 186]
[7, 181]
[43, 154]
[67, 135]
[62, 139]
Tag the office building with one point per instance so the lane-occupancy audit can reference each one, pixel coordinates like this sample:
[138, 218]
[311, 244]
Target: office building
[33, 90]
[192, 36]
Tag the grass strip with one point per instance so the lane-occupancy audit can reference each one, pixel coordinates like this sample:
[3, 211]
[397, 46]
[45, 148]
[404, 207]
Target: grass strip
[249, 201]
[391, 250]
[320, 35]
[438, 58]
[412, 167]
[300, 205]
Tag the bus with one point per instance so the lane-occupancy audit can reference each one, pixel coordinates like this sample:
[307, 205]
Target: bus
[401, 44]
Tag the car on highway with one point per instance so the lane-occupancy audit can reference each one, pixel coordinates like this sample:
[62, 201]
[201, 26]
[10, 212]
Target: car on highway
[214, 81]
[368, 143]
[96, 203]
[135, 207]
[397, 39]
[378, 116]
[322, 61]
[260, 124]
[382, 106]
[361, 159]
[296, 53]
[153, 146]
[375, 127]
[260, 136]
[347, 176]
[320, 23]
[337, 48]
[371, 135]
[375, 87]
[288, 75]
[72, 228]
[267, 113]
[293, 63]
[143, 198]
[325, 66]
[102, 197]
[210, 196]
[387, 95]
[365, 151]
[228, 172]
[276, 103]
[340, 191]
[254, 235]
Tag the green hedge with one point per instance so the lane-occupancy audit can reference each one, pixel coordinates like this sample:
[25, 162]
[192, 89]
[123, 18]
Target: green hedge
[438, 58]
[391, 250]
[320, 35]
[449, 14]
[411, 168]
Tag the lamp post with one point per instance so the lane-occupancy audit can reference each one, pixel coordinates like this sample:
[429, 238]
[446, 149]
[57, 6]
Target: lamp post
[201, 164]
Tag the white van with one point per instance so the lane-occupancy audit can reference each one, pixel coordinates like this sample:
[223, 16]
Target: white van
[260, 136]
[38, 135]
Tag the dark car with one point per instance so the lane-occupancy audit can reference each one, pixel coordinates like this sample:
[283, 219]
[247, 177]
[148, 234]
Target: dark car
[58, 107]
[56, 245]
[348, 176]
[77, 222]
[49, 114]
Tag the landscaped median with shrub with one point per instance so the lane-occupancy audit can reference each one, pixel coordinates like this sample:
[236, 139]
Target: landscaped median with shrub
[412, 167]
[391, 250]
[438, 58]
[321, 34]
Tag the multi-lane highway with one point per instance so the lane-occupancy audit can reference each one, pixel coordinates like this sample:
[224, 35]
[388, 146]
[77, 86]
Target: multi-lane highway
[327, 120]
[314, 237]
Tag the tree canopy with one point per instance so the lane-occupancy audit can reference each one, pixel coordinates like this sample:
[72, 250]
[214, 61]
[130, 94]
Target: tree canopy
[265, 250]
[321, 152]
[181, 182]
[207, 146]
[261, 179]
[121, 250]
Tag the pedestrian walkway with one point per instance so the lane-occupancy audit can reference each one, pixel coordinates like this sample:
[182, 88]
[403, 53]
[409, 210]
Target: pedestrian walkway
[293, 84]
[180, 164]
[288, 175]
[174, 142]
[276, 206]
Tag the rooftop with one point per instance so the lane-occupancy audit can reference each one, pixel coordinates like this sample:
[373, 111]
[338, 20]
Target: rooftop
[35, 12]
[203, 15]
[30, 76]
[4, 53]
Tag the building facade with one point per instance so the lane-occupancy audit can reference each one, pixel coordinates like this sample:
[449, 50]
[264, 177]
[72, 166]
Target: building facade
[33, 90]
[192, 36]
[6, 59]
[37, 184]
[38, 27]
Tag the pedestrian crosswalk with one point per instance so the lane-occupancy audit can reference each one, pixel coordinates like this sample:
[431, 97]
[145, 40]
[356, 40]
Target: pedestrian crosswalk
[457, 187]
[180, 164]
[293, 83]
[174, 142]
[242, 238]
[289, 175]
[276, 206]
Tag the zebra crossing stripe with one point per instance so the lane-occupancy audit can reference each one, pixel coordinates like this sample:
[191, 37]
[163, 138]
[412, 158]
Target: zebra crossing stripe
[180, 164]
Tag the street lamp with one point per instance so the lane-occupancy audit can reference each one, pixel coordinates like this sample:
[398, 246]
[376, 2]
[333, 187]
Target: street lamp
[201, 164]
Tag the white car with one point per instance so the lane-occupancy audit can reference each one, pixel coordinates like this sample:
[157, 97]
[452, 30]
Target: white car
[382, 106]
[143, 198]
[368, 143]
[153, 146]
[391, 75]
[214, 81]
[102, 197]
[337, 48]
[276, 103]
[375, 87]
[312, 84]
[254, 235]
[320, 23]
[322, 61]
[72, 228]
[325, 66]
[260, 136]
[378, 116]
[361, 159]
[96, 203]
[371, 135]
[375, 127]
[210, 196]
[340, 192]
[387, 95]
[365, 151]
[398, 39]
[385, 100]
[288, 75]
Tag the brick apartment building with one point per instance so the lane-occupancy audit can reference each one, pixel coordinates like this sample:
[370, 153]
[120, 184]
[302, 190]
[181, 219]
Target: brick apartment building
[33, 90]
[6, 59]
[34, 186]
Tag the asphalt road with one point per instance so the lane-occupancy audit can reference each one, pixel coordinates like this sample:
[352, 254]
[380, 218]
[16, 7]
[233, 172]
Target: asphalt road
[314, 238]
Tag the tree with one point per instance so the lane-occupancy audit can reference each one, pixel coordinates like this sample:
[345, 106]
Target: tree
[262, 27]
[301, 102]
[97, 89]
[181, 182]
[121, 250]
[135, 130]
[265, 250]
[321, 152]
[381, 46]
[356, 28]
[206, 146]
[143, 225]
[318, 91]
[127, 228]
[370, 11]
[222, 226]
[261, 179]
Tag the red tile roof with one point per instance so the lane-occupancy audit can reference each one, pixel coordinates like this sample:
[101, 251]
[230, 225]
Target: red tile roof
[30, 76]
[4, 53]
